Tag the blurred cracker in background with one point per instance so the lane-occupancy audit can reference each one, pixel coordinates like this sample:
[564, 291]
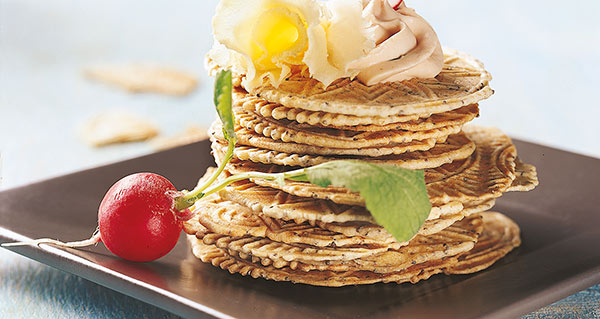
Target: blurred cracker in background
[137, 78]
[116, 126]
[191, 134]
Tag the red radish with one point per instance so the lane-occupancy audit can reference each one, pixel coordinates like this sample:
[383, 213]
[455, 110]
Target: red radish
[137, 218]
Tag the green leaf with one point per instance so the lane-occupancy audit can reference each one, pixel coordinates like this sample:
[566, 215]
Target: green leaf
[222, 99]
[396, 197]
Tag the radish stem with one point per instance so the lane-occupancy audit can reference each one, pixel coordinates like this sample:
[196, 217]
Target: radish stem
[190, 198]
[280, 177]
[187, 200]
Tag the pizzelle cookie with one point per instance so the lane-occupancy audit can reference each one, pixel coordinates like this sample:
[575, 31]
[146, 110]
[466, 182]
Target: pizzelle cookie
[309, 119]
[231, 218]
[266, 248]
[499, 237]
[526, 177]
[345, 219]
[276, 203]
[430, 227]
[277, 111]
[231, 213]
[498, 234]
[117, 127]
[335, 138]
[456, 147]
[457, 239]
[251, 138]
[463, 81]
[144, 78]
[234, 264]
[488, 173]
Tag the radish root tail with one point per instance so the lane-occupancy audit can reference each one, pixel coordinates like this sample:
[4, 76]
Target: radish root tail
[73, 244]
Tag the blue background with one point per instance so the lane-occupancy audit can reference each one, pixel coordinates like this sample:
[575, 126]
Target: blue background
[543, 56]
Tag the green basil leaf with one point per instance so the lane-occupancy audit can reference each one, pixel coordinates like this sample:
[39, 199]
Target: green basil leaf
[222, 100]
[396, 197]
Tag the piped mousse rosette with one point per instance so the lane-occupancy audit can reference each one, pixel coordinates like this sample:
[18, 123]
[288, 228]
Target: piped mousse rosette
[320, 81]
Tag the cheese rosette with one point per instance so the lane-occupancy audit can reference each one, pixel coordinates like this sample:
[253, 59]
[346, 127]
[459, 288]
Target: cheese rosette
[265, 39]
[406, 46]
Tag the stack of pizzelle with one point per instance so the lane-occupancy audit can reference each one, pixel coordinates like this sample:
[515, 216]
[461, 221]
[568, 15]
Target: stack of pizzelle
[325, 236]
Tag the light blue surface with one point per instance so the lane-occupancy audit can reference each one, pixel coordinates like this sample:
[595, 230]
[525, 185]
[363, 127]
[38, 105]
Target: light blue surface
[32, 290]
[543, 56]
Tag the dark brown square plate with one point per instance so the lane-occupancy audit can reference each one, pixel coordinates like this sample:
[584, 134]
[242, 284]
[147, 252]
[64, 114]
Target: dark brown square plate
[560, 253]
